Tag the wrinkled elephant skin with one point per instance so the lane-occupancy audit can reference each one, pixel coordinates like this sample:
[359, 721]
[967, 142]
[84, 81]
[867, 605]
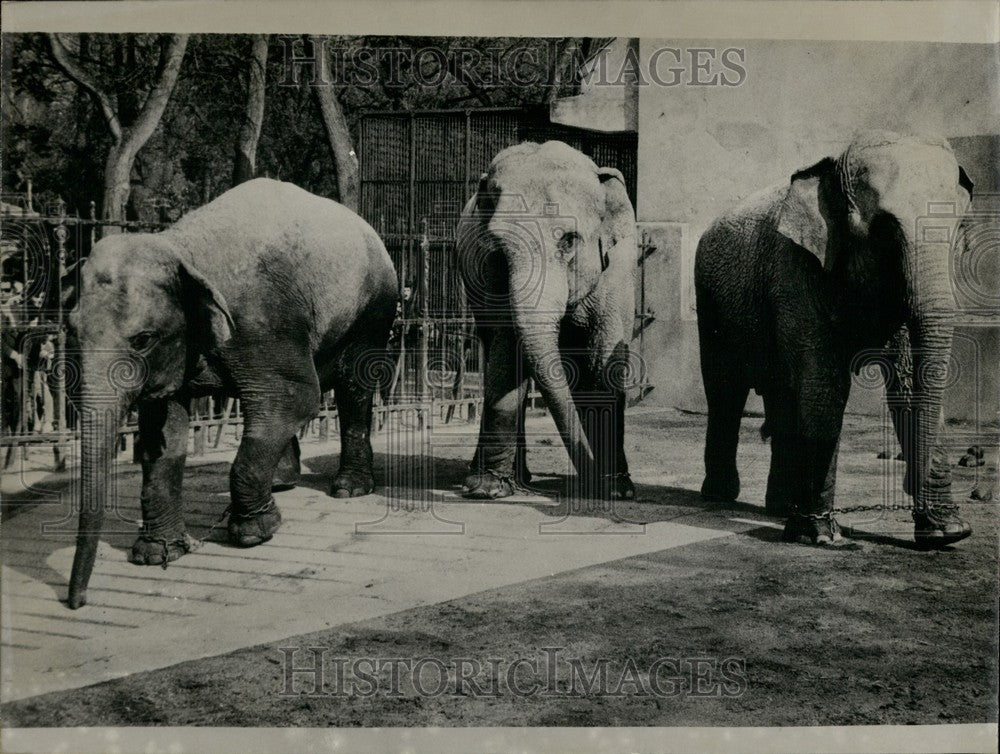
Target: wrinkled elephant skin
[268, 294]
[547, 252]
[808, 280]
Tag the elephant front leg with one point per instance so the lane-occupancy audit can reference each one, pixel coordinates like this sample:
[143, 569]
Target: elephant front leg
[812, 452]
[494, 471]
[600, 402]
[163, 435]
[271, 420]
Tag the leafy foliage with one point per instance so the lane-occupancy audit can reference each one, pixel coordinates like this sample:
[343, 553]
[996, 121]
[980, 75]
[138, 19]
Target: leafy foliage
[53, 133]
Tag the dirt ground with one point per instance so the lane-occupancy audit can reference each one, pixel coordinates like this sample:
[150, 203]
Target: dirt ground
[876, 632]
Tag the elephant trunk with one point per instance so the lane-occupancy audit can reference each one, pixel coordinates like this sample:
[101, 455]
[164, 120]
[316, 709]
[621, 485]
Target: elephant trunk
[928, 477]
[101, 413]
[540, 345]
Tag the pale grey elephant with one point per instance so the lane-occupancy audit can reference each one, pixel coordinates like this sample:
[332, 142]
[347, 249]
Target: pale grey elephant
[807, 280]
[547, 251]
[267, 293]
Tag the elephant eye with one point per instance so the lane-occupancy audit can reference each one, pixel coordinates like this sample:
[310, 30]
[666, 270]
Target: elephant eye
[567, 244]
[143, 340]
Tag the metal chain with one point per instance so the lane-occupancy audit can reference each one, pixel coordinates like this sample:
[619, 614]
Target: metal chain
[874, 507]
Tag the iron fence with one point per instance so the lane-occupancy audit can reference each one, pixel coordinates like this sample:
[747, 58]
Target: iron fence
[417, 169]
[40, 272]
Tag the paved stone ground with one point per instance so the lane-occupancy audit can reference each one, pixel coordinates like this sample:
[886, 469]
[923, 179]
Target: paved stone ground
[332, 562]
[402, 557]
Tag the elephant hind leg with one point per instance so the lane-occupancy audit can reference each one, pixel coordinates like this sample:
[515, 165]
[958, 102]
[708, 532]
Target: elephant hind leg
[355, 477]
[521, 472]
[725, 412]
[726, 393]
[784, 486]
[354, 393]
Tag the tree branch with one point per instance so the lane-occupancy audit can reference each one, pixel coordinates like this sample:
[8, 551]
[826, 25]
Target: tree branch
[245, 159]
[64, 59]
[568, 49]
[339, 136]
[171, 56]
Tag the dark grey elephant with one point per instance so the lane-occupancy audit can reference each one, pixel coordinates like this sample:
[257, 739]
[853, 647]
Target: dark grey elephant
[547, 253]
[268, 294]
[809, 279]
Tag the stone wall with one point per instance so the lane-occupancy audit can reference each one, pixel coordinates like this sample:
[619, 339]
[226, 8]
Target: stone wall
[702, 149]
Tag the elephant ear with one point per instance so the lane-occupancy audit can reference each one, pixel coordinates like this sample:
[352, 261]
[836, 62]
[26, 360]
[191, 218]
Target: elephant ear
[802, 216]
[965, 182]
[207, 307]
[483, 202]
[618, 220]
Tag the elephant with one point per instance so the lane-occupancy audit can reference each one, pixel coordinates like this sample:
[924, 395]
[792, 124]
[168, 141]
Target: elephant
[547, 253]
[268, 294]
[808, 281]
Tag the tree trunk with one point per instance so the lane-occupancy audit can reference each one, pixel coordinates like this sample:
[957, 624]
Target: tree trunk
[127, 139]
[245, 159]
[563, 68]
[117, 185]
[339, 136]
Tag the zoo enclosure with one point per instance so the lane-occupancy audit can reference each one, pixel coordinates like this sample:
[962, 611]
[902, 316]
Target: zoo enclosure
[417, 169]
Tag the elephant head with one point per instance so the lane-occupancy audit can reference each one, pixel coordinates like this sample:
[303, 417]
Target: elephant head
[557, 225]
[879, 218]
[145, 316]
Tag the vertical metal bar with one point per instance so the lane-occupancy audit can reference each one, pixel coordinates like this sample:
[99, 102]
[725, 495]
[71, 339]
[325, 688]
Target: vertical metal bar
[642, 312]
[362, 206]
[425, 321]
[468, 156]
[59, 399]
[411, 226]
[404, 310]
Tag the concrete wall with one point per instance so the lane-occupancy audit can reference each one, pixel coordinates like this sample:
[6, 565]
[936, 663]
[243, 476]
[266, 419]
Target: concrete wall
[704, 148]
[602, 105]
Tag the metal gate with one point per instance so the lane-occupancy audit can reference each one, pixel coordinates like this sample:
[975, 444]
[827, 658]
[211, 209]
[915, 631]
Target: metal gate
[417, 170]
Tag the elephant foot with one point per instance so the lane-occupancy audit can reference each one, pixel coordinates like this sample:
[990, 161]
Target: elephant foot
[606, 488]
[351, 484]
[281, 483]
[621, 487]
[250, 530]
[150, 549]
[720, 490]
[819, 529]
[938, 526]
[489, 485]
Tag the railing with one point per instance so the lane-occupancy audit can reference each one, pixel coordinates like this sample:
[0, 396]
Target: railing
[435, 354]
